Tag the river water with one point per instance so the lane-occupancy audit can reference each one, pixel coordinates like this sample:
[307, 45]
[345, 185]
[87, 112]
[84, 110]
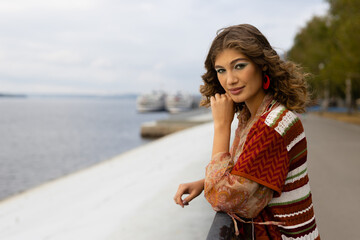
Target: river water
[45, 138]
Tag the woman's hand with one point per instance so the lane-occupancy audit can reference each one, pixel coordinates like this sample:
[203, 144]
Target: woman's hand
[193, 189]
[222, 107]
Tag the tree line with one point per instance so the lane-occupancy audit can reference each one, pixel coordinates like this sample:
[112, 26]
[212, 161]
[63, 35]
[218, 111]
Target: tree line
[329, 48]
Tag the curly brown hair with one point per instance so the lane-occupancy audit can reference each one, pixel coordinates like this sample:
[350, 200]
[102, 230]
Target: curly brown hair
[288, 81]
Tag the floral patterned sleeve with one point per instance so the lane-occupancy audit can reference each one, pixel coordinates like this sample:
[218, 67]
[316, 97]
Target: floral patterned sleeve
[231, 193]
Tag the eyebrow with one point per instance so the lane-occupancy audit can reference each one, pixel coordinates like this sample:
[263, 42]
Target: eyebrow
[232, 62]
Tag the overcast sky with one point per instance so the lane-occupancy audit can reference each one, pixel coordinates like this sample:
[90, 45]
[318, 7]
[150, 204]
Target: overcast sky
[128, 46]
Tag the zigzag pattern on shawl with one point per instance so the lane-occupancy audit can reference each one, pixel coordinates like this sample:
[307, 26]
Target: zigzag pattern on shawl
[264, 158]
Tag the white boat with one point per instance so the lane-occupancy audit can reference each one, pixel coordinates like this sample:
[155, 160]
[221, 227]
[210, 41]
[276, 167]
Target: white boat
[179, 102]
[149, 102]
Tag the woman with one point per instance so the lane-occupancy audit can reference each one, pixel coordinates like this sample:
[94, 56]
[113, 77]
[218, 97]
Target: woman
[260, 187]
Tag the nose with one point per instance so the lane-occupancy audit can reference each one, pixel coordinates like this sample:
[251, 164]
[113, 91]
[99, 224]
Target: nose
[231, 78]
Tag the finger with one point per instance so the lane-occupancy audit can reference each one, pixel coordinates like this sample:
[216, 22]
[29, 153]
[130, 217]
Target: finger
[228, 98]
[188, 199]
[179, 193]
[227, 95]
[179, 201]
[217, 96]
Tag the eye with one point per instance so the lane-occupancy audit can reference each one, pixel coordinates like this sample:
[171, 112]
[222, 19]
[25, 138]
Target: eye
[240, 65]
[220, 70]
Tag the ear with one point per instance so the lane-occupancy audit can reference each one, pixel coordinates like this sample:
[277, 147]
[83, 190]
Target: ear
[264, 68]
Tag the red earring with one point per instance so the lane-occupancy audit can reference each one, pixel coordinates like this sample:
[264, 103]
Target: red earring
[266, 82]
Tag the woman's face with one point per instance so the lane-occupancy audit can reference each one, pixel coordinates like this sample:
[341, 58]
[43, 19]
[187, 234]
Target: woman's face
[239, 76]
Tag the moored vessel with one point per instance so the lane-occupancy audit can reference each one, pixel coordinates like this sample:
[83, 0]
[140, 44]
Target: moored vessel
[150, 102]
[179, 102]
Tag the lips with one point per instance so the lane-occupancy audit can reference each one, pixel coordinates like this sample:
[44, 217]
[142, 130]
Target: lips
[236, 91]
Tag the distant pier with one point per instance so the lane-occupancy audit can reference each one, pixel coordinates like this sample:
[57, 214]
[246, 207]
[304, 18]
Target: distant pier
[176, 122]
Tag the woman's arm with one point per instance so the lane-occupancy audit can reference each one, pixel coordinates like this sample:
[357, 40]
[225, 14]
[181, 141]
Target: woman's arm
[222, 107]
[231, 193]
[224, 191]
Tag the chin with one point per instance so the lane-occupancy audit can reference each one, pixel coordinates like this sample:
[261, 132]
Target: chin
[237, 99]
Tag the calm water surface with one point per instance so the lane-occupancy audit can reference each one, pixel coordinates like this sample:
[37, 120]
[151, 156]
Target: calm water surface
[45, 138]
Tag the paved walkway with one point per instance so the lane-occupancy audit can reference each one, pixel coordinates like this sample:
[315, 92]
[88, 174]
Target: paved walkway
[130, 196]
[334, 165]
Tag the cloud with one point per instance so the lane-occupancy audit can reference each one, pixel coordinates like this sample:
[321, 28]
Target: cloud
[127, 45]
[102, 63]
[19, 6]
[62, 57]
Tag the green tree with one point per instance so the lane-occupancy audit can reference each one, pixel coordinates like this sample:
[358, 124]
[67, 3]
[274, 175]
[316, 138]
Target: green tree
[311, 49]
[329, 48]
[345, 58]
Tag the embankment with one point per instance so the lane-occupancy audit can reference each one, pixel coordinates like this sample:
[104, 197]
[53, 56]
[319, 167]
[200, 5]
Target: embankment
[127, 197]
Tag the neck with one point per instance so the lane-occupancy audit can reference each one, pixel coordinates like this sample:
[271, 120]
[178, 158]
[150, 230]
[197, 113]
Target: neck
[254, 103]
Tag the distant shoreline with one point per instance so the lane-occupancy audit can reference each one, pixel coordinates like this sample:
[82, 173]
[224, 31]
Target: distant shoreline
[6, 95]
[120, 96]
